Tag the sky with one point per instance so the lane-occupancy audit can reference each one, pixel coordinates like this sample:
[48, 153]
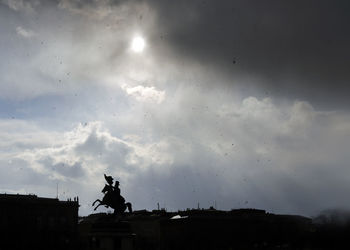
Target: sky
[242, 104]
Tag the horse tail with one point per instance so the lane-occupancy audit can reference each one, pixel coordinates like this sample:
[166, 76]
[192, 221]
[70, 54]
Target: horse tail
[128, 204]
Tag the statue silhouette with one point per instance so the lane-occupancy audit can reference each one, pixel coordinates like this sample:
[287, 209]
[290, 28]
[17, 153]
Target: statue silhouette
[112, 197]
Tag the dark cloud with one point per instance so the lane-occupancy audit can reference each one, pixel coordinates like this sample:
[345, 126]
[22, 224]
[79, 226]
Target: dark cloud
[294, 49]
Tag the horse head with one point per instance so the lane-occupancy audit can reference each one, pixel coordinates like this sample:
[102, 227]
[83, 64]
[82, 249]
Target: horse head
[106, 188]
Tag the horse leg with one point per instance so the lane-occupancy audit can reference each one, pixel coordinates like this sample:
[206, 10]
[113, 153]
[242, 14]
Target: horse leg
[100, 203]
[128, 204]
[97, 206]
[96, 201]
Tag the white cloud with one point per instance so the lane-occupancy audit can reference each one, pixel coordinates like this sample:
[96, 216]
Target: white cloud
[22, 5]
[275, 157]
[145, 94]
[78, 156]
[25, 32]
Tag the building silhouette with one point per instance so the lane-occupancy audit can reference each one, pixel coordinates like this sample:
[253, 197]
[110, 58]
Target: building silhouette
[31, 222]
[195, 229]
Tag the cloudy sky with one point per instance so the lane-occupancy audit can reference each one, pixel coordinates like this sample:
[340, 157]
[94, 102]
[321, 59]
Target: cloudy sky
[242, 103]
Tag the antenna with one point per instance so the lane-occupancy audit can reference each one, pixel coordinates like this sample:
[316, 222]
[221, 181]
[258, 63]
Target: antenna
[57, 190]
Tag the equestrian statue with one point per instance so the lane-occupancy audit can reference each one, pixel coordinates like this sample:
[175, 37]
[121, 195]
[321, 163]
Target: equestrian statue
[112, 197]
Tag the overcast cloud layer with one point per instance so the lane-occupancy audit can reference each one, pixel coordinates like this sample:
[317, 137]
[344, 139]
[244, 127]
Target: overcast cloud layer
[241, 103]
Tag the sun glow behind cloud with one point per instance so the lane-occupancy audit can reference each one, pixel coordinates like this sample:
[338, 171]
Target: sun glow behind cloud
[138, 44]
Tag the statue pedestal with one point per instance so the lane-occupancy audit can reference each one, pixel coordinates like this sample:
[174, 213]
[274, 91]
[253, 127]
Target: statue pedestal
[108, 232]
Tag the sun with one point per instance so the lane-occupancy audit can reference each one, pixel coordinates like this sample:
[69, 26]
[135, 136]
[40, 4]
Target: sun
[138, 44]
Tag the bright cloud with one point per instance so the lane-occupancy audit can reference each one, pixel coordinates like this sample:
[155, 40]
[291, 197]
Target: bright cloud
[24, 32]
[22, 5]
[145, 94]
[267, 156]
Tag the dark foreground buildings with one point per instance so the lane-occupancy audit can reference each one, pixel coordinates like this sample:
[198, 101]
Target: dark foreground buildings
[196, 229]
[210, 229]
[31, 222]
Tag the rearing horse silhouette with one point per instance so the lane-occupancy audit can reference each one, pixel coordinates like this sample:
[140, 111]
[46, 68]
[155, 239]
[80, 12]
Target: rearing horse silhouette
[111, 199]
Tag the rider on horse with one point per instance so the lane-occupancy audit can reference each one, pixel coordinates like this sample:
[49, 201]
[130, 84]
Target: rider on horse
[112, 197]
